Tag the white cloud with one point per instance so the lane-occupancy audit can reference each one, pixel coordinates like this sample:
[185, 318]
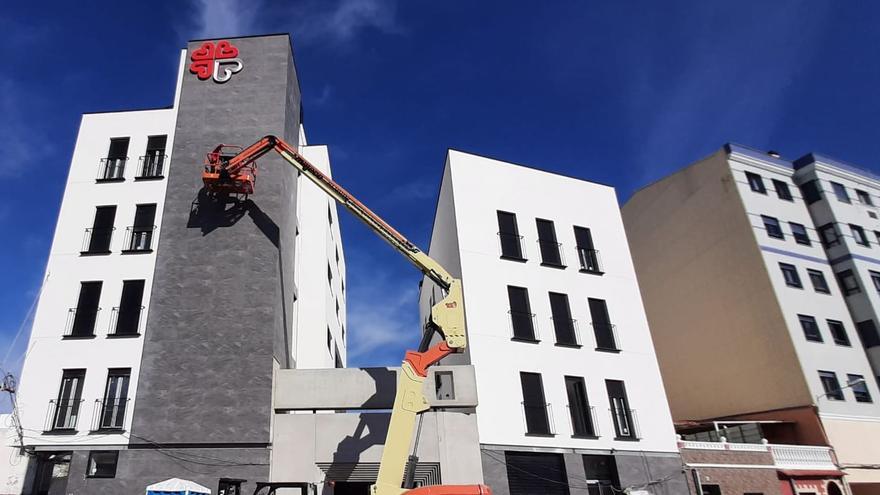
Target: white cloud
[23, 144]
[344, 20]
[226, 18]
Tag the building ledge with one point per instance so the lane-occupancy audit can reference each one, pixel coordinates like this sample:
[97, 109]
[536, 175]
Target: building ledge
[78, 337]
[117, 179]
[136, 251]
[554, 265]
[525, 340]
[570, 346]
[592, 272]
[511, 258]
[95, 253]
[608, 349]
[123, 335]
[149, 178]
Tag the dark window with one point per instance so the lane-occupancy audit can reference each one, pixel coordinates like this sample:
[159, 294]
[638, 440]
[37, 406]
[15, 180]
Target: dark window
[563, 324]
[864, 197]
[831, 385]
[128, 315]
[848, 283]
[329, 215]
[810, 328]
[800, 233]
[782, 190]
[868, 333]
[329, 275]
[875, 278]
[67, 404]
[521, 317]
[877, 236]
[811, 192]
[534, 404]
[579, 407]
[547, 242]
[756, 183]
[141, 233]
[444, 385]
[588, 256]
[102, 463]
[840, 192]
[508, 234]
[620, 411]
[338, 359]
[113, 167]
[229, 487]
[711, 489]
[602, 327]
[601, 475]
[859, 388]
[153, 162]
[329, 342]
[86, 312]
[102, 230]
[838, 332]
[772, 226]
[789, 272]
[530, 473]
[828, 234]
[115, 402]
[818, 280]
[859, 235]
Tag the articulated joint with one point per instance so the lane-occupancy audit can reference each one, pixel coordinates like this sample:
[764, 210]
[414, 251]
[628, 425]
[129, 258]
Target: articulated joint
[448, 316]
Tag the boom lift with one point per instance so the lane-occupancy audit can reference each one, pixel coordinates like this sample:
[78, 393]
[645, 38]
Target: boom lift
[232, 170]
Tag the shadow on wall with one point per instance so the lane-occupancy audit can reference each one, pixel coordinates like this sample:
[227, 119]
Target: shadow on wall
[209, 213]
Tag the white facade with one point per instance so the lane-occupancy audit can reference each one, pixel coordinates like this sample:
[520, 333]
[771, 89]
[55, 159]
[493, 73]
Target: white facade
[465, 239]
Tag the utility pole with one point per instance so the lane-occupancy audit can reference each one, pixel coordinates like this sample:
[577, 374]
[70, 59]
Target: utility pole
[9, 385]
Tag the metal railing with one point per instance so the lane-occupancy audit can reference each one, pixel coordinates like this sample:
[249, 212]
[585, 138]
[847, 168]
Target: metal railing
[97, 240]
[523, 326]
[118, 327]
[567, 326]
[551, 253]
[109, 414]
[62, 415]
[139, 239]
[626, 423]
[589, 260]
[587, 426]
[606, 336]
[511, 246]
[81, 322]
[538, 419]
[151, 166]
[112, 168]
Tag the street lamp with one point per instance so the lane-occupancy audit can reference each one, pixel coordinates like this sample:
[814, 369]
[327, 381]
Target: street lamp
[851, 384]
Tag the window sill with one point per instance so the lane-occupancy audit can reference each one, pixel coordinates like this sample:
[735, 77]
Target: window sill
[149, 178]
[627, 439]
[525, 340]
[570, 346]
[61, 431]
[554, 265]
[586, 437]
[591, 272]
[95, 253]
[815, 341]
[123, 335]
[136, 251]
[78, 337]
[542, 435]
[842, 344]
[101, 181]
[512, 258]
[608, 349]
[106, 431]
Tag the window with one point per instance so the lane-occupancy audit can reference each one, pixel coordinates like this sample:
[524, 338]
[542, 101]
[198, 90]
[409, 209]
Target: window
[579, 407]
[789, 272]
[329, 275]
[113, 167]
[800, 233]
[444, 385]
[98, 237]
[508, 235]
[521, 317]
[772, 226]
[859, 388]
[875, 278]
[859, 235]
[810, 328]
[547, 242]
[811, 192]
[877, 236]
[711, 489]
[868, 333]
[86, 312]
[620, 411]
[588, 256]
[128, 313]
[529, 473]
[337, 255]
[329, 341]
[563, 324]
[102, 463]
[828, 234]
[115, 401]
[848, 283]
[329, 215]
[69, 400]
[838, 332]
[338, 361]
[840, 192]
[153, 162]
[756, 183]
[229, 487]
[817, 278]
[864, 198]
[782, 190]
[601, 474]
[831, 385]
[140, 235]
[602, 327]
[534, 404]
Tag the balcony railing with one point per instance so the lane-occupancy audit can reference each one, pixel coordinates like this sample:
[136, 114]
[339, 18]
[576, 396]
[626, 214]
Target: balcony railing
[112, 169]
[583, 425]
[62, 415]
[512, 246]
[151, 166]
[97, 241]
[523, 326]
[606, 337]
[125, 321]
[109, 414]
[803, 457]
[81, 322]
[567, 331]
[551, 253]
[538, 419]
[139, 239]
[589, 260]
[626, 423]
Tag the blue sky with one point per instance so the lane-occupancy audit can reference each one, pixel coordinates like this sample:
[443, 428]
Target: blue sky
[620, 92]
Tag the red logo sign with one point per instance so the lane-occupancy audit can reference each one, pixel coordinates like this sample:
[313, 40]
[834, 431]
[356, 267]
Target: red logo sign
[218, 61]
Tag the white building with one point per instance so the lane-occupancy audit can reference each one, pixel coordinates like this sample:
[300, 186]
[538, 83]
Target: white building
[570, 394]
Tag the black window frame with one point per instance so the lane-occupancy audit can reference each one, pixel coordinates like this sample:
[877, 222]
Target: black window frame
[619, 400]
[140, 234]
[130, 309]
[826, 241]
[579, 408]
[800, 234]
[588, 255]
[509, 237]
[756, 183]
[773, 227]
[68, 402]
[868, 332]
[603, 329]
[860, 390]
[810, 328]
[537, 417]
[782, 190]
[859, 235]
[875, 279]
[88, 306]
[92, 453]
[790, 275]
[815, 275]
[564, 326]
[864, 197]
[114, 402]
[831, 385]
[100, 234]
[522, 320]
[840, 192]
[843, 277]
[811, 191]
[838, 332]
[548, 245]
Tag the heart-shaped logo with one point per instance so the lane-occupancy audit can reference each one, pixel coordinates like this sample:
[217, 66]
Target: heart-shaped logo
[208, 59]
[226, 50]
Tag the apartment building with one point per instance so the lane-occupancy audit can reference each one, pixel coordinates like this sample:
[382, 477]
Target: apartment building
[166, 313]
[570, 395]
[749, 305]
